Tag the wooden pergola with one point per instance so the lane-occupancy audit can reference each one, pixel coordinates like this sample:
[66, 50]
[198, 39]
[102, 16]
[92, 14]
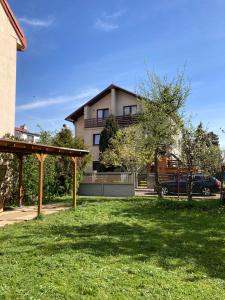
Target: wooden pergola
[41, 152]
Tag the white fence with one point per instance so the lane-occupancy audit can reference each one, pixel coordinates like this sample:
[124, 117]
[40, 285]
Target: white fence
[108, 177]
[107, 184]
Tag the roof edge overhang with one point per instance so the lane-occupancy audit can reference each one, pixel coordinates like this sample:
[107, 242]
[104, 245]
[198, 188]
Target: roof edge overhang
[15, 25]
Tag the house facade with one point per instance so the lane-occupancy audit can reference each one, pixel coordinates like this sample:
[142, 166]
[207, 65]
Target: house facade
[89, 119]
[12, 40]
[23, 133]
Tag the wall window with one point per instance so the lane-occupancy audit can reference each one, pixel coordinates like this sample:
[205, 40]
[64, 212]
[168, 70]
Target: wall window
[129, 110]
[96, 166]
[102, 113]
[30, 138]
[96, 139]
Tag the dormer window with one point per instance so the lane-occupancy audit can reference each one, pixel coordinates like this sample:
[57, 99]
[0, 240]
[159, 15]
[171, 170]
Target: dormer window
[102, 113]
[130, 110]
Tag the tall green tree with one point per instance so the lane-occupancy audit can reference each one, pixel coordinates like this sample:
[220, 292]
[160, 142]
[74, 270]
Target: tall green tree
[108, 133]
[210, 156]
[209, 136]
[128, 150]
[190, 149]
[161, 117]
[199, 152]
[65, 138]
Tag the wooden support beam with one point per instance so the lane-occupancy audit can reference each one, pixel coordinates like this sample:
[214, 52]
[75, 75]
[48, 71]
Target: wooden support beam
[74, 162]
[20, 182]
[41, 158]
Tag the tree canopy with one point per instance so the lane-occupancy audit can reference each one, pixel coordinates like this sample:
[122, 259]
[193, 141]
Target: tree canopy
[199, 153]
[161, 116]
[128, 150]
[108, 133]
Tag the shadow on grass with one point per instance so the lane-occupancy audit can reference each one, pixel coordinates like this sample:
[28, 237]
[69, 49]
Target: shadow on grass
[169, 233]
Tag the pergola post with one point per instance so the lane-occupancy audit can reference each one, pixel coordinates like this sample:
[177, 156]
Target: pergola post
[41, 158]
[74, 162]
[20, 181]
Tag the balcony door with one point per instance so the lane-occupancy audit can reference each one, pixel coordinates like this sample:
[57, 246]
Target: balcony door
[102, 113]
[130, 110]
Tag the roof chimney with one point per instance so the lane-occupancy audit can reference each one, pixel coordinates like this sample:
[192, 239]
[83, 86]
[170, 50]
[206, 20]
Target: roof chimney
[24, 126]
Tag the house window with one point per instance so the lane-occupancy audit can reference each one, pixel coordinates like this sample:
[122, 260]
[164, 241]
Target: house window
[102, 113]
[30, 138]
[96, 139]
[96, 166]
[129, 110]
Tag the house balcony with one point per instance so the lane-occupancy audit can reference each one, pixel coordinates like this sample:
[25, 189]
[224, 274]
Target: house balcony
[123, 121]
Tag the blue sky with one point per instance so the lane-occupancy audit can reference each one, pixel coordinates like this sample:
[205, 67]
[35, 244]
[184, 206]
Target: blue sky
[78, 47]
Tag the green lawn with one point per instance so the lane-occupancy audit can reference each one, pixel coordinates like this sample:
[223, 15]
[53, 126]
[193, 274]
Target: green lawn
[117, 249]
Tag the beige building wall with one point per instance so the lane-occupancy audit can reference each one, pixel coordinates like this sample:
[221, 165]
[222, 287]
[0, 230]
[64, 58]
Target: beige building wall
[79, 128]
[105, 102]
[86, 134]
[121, 99]
[8, 51]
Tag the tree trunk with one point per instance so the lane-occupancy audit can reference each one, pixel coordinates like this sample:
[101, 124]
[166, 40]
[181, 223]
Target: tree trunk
[135, 180]
[157, 182]
[189, 184]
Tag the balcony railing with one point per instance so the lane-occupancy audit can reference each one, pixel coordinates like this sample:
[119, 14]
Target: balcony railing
[123, 121]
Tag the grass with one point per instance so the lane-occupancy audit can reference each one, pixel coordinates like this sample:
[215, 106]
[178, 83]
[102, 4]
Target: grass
[136, 248]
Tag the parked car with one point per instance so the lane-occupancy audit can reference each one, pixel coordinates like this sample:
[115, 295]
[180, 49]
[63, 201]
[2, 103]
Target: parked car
[204, 185]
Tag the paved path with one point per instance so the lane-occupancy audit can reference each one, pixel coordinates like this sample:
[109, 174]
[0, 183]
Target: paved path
[28, 213]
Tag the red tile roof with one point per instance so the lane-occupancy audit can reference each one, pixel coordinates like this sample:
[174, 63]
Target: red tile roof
[19, 129]
[15, 25]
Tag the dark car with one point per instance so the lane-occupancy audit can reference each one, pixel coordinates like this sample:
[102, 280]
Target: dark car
[204, 185]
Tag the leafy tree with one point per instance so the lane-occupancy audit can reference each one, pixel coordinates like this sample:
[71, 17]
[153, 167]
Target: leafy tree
[128, 150]
[64, 138]
[161, 102]
[190, 147]
[210, 156]
[108, 133]
[210, 137]
[199, 153]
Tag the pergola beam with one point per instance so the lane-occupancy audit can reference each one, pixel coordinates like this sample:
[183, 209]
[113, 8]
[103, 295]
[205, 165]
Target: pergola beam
[10, 146]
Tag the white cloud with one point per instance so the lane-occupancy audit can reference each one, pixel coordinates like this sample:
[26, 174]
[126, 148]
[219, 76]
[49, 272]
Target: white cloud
[37, 22]
[109, 22]
[40, 103]
[105, 26]
[115, 15]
